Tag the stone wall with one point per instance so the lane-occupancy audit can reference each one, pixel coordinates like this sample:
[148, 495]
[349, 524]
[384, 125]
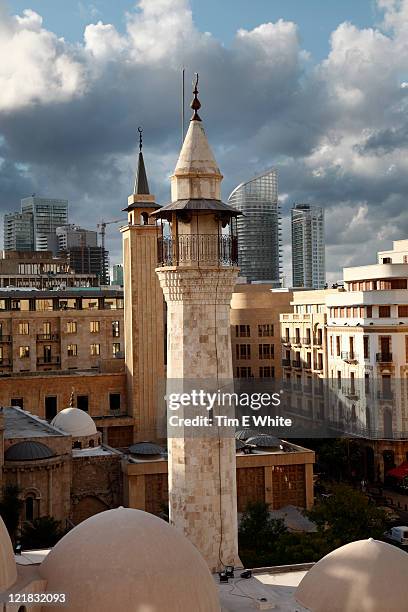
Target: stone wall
[96, 485]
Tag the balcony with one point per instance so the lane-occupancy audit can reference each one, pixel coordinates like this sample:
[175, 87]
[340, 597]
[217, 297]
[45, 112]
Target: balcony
[383, 357]
[286, 363]
[348, 357]
[5, 339]
[297, 364]
[195, 249]
[296, 340]
[317, 341]
[285, 340]
[48, 360]
[306, 341]
[47, 337]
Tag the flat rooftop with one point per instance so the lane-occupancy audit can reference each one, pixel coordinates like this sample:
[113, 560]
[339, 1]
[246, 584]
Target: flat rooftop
[19, 423]
[275, 585]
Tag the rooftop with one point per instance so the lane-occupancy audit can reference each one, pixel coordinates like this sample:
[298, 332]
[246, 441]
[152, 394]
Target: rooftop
[22, 424]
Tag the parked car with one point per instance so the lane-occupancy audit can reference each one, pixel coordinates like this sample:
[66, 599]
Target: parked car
[398, 534]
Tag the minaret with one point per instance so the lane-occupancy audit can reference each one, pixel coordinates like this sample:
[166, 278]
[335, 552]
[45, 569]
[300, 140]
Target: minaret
[197, 275]
[144, 307]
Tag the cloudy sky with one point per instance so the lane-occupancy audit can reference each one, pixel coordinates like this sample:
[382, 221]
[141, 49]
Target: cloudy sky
[318, 89]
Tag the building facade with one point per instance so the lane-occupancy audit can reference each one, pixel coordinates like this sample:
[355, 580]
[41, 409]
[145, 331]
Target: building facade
[18, 232]
[259, 228]
[255, 330]
[362, 359]
[47, 214]
[117, 275]
[308, 246]
[74, 236]
[40, 270]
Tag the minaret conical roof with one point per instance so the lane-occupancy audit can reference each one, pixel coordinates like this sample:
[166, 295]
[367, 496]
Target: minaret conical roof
[141, 184]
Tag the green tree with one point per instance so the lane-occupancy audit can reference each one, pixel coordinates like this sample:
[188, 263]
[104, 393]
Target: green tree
[42, 532]
[347, 515]
[258, 534]
[10, 508]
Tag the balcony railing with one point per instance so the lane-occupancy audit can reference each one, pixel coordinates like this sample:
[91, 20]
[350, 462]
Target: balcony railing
[317, 341]
[286, 363]
[348, 356]
[296, 364]
[307, 341]
[384, 357]
[48, 360]
[296, 340]
[285, 340]
[206, 249]
[50, 337]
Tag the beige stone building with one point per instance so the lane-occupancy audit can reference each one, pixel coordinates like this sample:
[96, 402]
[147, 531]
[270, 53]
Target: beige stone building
[40, 270]
[361, 357]
[255, 330]
[61, 468]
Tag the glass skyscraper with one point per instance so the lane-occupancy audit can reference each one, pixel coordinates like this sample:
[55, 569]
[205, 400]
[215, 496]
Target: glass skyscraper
[308, 246]
[259, 228]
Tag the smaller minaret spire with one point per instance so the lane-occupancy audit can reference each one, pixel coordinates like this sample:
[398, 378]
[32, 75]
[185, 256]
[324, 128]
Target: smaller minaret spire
[141, 185]
[195, 104]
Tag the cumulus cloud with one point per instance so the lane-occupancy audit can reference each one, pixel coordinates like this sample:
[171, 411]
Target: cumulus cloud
[336, 131]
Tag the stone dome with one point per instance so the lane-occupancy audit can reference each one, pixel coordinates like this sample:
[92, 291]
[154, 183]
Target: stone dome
[364, 576]
[147, 449]
[8, 568]
[126, 559]
[265, 441]
[28, 450]
[75, 422]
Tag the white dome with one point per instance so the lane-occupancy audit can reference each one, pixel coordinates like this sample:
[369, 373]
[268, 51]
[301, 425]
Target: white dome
[364, 576]
[8, 569]
[126, 559]
[75, 422]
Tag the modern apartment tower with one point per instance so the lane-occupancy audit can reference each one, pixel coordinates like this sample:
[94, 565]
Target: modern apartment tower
[259, 228]
[18, 232]
[308, 257]
[47, 214]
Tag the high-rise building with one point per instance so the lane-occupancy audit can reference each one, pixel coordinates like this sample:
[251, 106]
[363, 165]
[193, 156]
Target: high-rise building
[259, 229]
[74, 236]
[308, 258]
[47, 214]
[117, 275]
[18, 232]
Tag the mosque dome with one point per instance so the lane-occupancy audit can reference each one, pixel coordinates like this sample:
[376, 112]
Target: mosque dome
[8, 569]
[126, 559]
[75, 422]
[28, 450]
[364, 576]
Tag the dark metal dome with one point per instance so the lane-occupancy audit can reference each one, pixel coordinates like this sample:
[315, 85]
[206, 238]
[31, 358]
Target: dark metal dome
[244, 434]
[265, 441]
[146, 448]
[28, 451]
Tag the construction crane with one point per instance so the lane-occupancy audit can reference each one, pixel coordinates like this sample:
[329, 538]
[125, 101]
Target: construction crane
[102, 230]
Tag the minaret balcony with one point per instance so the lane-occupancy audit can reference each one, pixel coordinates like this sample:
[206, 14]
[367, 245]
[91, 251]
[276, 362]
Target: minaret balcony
[198, 249]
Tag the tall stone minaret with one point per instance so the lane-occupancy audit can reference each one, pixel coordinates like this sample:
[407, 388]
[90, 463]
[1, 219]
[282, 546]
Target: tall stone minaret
[144, 312]
[197, 275]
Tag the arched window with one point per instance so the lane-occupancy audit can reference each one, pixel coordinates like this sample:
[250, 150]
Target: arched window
[91, 443]
[77, 444]
[22, 609]
[29, 508]
[144, 218]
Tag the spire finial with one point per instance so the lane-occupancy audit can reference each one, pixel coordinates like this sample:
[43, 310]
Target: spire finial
[195, 104]
[140, 130]
[71, 399]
